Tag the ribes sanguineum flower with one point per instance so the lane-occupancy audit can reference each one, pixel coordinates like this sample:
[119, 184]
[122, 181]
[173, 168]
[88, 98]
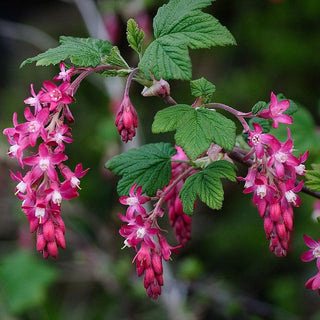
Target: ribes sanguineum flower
[275, 111]
[135, 201]
[259, 140]
[64, 75]
[54, 95]
[34, 101]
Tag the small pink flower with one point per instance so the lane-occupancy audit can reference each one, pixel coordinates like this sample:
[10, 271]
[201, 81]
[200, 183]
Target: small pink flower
[55, 95]
[45, 162]
[35, 125]
[314, 282]
[276, 110]
[73, 177]
[259, 141]
[134, 201]
[314, 252]
[64, 75]
[34, 101]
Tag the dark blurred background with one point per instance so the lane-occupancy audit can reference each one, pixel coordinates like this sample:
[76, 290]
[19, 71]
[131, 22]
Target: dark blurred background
[227, 271]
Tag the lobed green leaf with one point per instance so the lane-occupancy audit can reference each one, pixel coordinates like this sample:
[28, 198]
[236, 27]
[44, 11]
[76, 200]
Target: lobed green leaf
[195, 128]
[202, 87]
[149, 166]
[84, 52]
[206, 185]
[178, 25]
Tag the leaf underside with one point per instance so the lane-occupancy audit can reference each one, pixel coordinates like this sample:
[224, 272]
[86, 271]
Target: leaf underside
[84, 52]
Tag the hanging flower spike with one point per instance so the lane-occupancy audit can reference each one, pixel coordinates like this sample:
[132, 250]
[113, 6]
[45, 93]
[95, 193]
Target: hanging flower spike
[275, 111]
[126, 120]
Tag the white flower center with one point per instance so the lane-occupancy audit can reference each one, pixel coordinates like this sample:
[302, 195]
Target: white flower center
[316, 252]
[21, 187]
[262, 191]
[34, 126]
[13, 149]
[132, 201]
[58, 138]
[281, 157]
[40, 212]
[256, 139]
[55, 95]
[75, 182]
[44, 164]
[141, 232]
[56, 197]
[300, 169]
[291, 196]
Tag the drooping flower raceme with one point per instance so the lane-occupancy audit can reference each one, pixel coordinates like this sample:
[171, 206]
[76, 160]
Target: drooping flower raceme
[272, 177]
[143, 234]
[41, 189]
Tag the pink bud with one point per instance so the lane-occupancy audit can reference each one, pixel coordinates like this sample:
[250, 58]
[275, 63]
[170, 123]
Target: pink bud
[156, 263]
[268, 226]
[41, 242]
[61, 242]
[52, 249]
[149, 275]
[48, 230]
[275, 211]
[281, 230]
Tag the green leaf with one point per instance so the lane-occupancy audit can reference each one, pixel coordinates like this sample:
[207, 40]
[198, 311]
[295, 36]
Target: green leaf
[207, 186]
[202, 87]
[83, 52]
[178, 25]
[135, 36]
[115, 58]
[167, 119]
[149, 166]
[166, 59]
[313, 177]
[260, 105]
[195, 128]
[25, 280]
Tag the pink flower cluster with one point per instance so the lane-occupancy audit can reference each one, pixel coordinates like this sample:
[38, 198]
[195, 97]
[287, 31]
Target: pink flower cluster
[313, 253]
[143, 234]
[180, 222]
[41, 188]
[272, 178]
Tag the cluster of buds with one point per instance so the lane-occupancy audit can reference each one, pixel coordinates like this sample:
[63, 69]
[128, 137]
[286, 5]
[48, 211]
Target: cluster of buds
[143, 233]
[42, 188]
[272, 177]
[180, 222]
